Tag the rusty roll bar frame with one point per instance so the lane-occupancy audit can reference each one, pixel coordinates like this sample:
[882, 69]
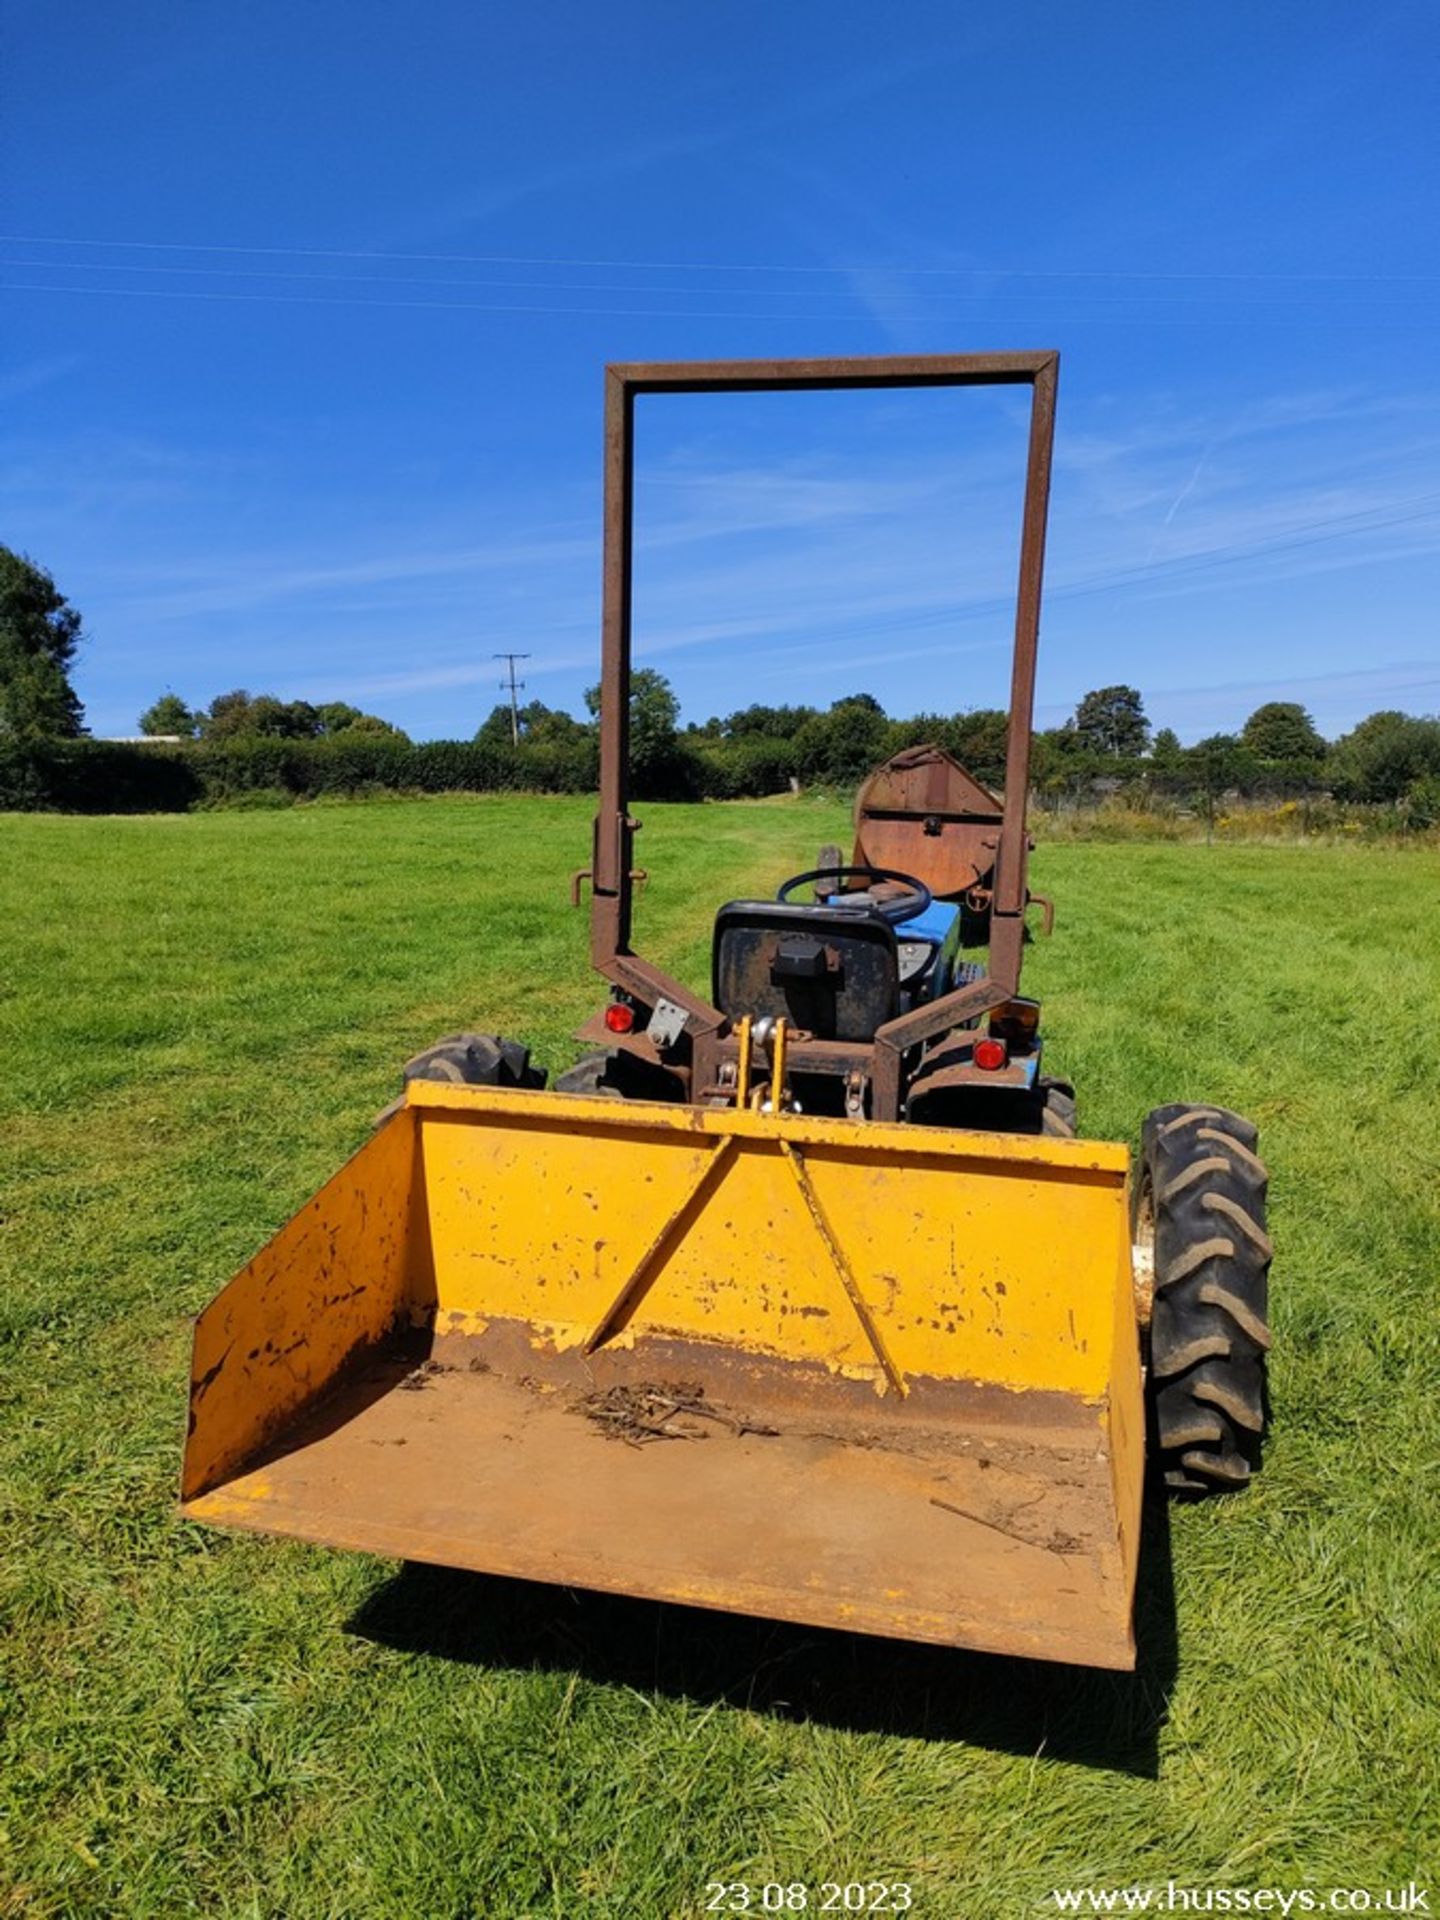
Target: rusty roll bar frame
[612, 861]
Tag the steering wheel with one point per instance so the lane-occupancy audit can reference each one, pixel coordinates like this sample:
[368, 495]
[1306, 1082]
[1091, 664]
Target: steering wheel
[908, 907]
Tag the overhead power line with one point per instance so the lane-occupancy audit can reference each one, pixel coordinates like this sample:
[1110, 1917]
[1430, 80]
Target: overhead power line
[851, 295]
[442, 306]
[979, 271]
[985, 309]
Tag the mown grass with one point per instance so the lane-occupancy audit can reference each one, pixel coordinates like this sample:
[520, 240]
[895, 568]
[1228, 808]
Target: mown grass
[200, 1016]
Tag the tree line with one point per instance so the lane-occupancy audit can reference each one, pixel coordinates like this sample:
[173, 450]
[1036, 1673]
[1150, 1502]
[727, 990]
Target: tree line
[1277, 752]
[240, 715]
[1107, 744]
[257, 743]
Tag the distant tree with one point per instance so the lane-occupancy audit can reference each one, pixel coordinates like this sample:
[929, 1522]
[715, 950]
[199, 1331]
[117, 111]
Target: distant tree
[654, 724]
[1375, 726]
[239, 715]
[338, 716]
[654, 710]
[1215, 744]
[169, 715]
[1385, 756]
[977, 740]
[1057, 763]
[496, 728]
[1422, 803]
[275, 719]
[1111, 720]
[923, 728]
[1061, 742]
[920, 729]
[537, 722]
[866, 700]
[552, 725]
[39, 633]
[227, 717]
[771, 723]
[1167, 769]
[1220, 761]
[268, 717]
[845, 743]
[1282, 730]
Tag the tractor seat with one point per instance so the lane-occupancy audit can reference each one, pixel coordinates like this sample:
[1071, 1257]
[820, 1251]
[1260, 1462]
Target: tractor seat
[833, 971]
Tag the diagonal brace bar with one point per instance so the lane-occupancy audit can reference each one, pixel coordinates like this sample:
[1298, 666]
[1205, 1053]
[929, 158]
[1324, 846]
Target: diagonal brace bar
[842, 1267]
[620, 1307]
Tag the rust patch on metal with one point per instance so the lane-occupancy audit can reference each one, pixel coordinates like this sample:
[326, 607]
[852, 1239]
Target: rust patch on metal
[962, 1517]
[926, 814]
[201, 1386]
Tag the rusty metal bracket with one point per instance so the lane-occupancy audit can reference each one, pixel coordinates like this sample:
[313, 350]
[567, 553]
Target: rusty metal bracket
[638, 876]
[1047, 911]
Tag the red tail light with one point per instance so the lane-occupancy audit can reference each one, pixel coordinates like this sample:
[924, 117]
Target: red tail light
[618, 1017]
[991, 1054]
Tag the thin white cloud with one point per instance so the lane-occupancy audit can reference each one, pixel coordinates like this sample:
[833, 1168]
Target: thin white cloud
[35, 374]
[794, 567]
[255, 580]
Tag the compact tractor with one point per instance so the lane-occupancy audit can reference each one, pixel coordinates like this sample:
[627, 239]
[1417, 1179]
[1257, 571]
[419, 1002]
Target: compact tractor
[798, 1296]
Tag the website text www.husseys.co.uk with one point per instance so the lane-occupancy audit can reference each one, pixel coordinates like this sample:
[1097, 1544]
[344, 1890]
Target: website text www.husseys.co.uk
[1285, 1901]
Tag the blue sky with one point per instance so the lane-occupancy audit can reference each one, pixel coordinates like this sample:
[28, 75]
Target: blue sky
[303, 313]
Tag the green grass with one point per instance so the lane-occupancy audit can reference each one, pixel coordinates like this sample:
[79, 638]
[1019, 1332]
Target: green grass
[199, 1017]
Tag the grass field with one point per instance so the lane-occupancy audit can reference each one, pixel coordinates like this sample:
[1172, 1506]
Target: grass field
[199, 1017]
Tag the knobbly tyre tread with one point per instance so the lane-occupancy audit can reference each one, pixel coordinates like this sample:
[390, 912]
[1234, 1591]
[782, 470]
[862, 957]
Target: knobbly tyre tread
[588, 1076]
[618, 1075]
[475, 1060]
[1209, 1333]
[1059, 1116]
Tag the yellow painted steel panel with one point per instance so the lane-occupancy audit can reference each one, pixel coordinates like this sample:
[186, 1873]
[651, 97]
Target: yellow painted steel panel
[1125, 1407]
[594, 1116]
[333, 1280]
[990, 1265]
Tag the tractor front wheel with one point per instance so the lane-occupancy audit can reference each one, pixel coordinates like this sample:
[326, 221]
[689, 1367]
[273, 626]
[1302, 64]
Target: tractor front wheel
[1199, 1226]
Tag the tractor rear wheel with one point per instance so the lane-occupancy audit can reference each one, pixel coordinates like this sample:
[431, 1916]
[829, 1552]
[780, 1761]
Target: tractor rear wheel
[588, 1076]
[476, 1060]
[619, 1076]
[1199, 1224]
[1059, 1114]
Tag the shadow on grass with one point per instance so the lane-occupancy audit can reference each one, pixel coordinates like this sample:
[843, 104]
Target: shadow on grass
[803, 1673]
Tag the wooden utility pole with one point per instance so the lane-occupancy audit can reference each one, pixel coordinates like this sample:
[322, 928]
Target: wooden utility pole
[515, 687]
